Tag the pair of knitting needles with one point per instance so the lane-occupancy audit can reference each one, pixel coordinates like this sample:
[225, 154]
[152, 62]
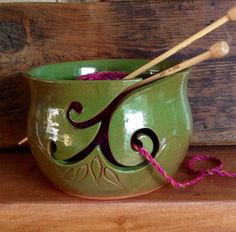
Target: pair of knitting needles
[217, 50]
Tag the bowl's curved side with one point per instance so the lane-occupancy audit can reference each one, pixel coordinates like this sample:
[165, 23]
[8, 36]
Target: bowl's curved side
[161, 107]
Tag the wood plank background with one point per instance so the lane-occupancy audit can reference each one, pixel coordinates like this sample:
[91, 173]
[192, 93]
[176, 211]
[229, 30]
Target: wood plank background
[33, 34]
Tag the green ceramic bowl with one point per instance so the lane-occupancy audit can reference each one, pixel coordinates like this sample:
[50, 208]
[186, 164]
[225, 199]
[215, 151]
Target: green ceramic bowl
[81, 132]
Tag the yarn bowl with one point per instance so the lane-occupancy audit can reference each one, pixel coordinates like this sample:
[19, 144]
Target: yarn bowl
[81, 132]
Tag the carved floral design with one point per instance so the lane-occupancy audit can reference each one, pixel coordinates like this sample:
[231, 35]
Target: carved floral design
[81, 173]
[94, 169]
[111, 176]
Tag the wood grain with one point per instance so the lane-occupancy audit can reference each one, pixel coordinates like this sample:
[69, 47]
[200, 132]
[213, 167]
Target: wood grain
[36, 34]
[28, 202]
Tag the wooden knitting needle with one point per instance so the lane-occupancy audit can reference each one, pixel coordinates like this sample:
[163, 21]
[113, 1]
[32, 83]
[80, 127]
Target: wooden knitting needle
[217, 50]
[231, 16]
[24, 140]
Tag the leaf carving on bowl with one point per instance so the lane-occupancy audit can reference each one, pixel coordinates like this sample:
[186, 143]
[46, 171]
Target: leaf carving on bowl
[82, 173]
[96, 169]
[69, 173]
[171, 139]
[111, 176]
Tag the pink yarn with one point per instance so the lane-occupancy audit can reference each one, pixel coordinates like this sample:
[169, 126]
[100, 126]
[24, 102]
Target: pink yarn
[107, 75]
[200, 175]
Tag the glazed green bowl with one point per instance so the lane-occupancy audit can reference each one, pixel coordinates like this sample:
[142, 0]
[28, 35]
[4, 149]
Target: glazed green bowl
[81, 132]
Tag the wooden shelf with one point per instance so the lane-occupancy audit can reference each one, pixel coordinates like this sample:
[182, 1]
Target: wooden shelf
[28, 202]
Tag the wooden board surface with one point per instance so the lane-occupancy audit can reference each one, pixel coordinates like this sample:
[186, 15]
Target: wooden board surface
[37, 34]
[28, 202]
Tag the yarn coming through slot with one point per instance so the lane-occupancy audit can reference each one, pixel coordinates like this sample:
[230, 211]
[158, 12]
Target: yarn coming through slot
[199, 175]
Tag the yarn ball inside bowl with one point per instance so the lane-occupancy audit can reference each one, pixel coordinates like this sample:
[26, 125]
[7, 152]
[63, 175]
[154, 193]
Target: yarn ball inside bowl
[108, 75]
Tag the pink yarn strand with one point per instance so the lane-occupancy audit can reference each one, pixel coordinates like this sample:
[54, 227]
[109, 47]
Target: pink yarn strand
[200, 175]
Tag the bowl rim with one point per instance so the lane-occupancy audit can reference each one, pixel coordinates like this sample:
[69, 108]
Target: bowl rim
[28, 74]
